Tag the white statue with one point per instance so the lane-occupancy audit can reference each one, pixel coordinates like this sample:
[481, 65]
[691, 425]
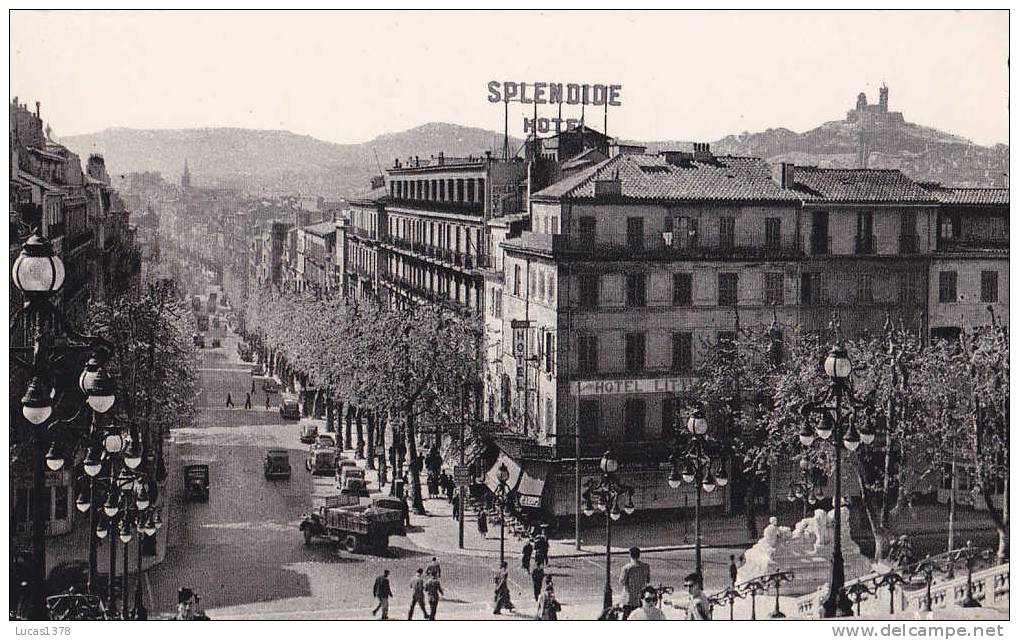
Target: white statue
[821, 529]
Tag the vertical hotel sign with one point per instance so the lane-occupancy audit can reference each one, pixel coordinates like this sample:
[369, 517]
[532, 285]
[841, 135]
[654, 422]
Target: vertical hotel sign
[520, 351]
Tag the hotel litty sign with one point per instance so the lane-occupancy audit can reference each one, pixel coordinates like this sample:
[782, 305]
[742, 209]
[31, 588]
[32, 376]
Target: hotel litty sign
[631, 386]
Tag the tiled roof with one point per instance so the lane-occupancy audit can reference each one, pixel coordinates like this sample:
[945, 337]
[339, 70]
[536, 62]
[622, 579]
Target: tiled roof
[858, 185]
[970, 195]
[583, 159]
[645, 177]
[321, 229]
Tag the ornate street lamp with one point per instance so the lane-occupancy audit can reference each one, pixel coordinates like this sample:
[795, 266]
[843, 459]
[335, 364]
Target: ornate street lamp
[809, 489]
[834, 407]
[703, 466]
[606, 496]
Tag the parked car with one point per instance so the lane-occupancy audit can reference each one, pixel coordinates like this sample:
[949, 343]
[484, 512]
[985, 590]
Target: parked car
[325, 440]
[309, 433]
[321, 461]
[290, 409]
[216, 344]
[277, 464]
[270, 386]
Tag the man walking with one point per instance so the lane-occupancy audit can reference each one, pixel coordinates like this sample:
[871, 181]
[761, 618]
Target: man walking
[247, 401]
[635, 576]
[267, 399]
[382, 593]
[537, 578]
[229, 401]
[699, 608]
[434, 589]
[434, 570]
[417, 594]
[502, 592]
[525, 555]
[541, 549]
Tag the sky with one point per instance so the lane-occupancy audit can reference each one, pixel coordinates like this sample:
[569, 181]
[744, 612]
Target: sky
[350, 76]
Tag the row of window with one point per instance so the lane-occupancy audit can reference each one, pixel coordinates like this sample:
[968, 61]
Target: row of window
[454, 190]
[682, 289]
[683, 231]
[441, 235]
[635, 419]
[635, 359]
[948, 282]
[542, 284]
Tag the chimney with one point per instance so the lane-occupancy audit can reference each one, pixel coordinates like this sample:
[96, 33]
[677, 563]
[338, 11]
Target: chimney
[442, 158]
[702, 152]
[37, 109]
[784, 174]
[608, 188]
[678, 158]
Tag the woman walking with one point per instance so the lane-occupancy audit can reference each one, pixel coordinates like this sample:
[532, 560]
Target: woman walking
[483, 523]
[502, 593]
[548, 606]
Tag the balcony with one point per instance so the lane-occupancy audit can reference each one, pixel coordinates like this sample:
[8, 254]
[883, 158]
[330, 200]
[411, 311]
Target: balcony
[77, 241]
[864, 245]
[973, 244]
[459, 208]
[668, 247]
[625, 450]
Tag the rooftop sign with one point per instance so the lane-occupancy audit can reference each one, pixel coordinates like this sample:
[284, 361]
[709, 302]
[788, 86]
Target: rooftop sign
[554, 93]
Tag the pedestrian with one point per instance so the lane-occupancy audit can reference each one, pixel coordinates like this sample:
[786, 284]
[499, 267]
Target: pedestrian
[247, 401]
[417, 594]
[252, 383]
[525, 555]
[406, 511]
[537, 578]
[229, 401]
[434, 569]
[483, 523]
[502, 592]
[433, 485]
[635, 576]
[267, 400]
[548, 606]
[456, 507]
[733, 571]
[541, 548]
[382, 592]
[433, 588]
[699, 608]
[649, 609]
[185, 604]
[382, 475]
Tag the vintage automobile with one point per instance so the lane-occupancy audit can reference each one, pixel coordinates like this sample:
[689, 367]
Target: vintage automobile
[309, 433]
[321, 461]
[355, 487]
[345, 472]
[198, 340]
[277, 464]
[325, 440]
[354, 527]
[290, 409]
[391, 509]
[196, 482]
[270, 386]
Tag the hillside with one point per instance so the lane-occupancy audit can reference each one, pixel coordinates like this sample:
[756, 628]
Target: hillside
[262, 161]
[920, 152]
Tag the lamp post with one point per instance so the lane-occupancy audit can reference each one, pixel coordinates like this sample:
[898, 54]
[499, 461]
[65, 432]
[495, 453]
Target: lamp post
[702, 467]
[501, 494]
[809, 489]
[835, 406]
[606, 496]
[38, 273]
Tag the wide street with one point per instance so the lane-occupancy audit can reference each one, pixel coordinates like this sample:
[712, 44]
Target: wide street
[243, 554]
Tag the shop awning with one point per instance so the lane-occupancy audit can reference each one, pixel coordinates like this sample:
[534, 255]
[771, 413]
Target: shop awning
[492, 476]
[532, 484]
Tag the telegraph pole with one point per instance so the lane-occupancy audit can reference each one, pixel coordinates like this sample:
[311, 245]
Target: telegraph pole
[460, 487]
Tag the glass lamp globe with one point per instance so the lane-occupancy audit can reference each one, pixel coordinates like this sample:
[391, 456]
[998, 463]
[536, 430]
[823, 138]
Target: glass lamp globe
[826, 427]
[157, 520]
[722, 479]
[852, 440]
[674, 480]
[588, 509]
[867, 437]
[688, 474]
[37, 270]
[709, 483]
[125, 533]
[609, 464]
[697, 424]
[113, 442]
[133, 456]
[82, 503]
[807, 435]
[111, 507]
[54, 461]
[101, 530]
[791, 497]
[629, 507]
[93, 463]
[143, 499]
[37, 403]
[837, 365]
[804, 464]
[615, 513]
